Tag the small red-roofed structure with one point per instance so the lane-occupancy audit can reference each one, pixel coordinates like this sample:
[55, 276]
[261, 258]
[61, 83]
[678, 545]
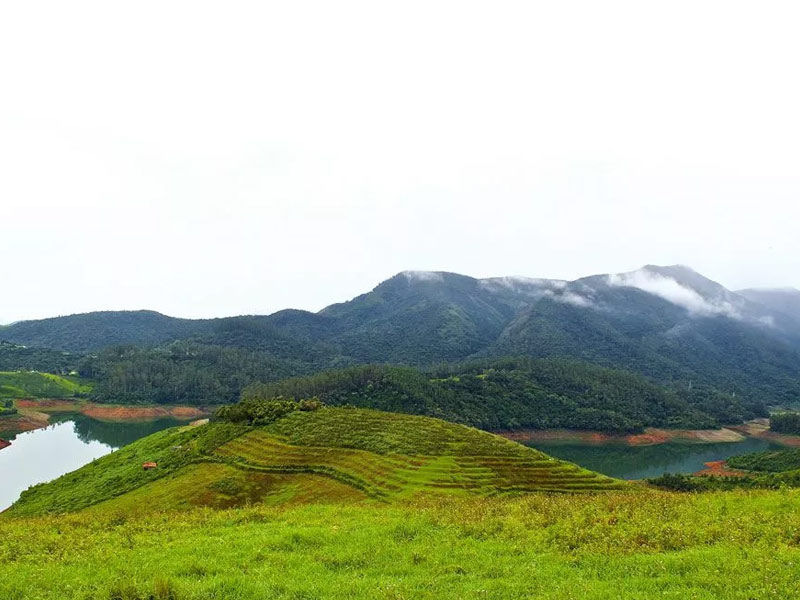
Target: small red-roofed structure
[149, 465]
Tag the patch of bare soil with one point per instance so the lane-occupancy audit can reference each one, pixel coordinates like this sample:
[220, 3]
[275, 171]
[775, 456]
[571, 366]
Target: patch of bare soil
[650, 437]
[48, 405]
[34, 414]
[103, 412]
[718, 468]
[759, 428]
[25, 420]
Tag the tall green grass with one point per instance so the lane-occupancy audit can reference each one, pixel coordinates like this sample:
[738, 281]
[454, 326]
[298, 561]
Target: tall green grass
[731, 545]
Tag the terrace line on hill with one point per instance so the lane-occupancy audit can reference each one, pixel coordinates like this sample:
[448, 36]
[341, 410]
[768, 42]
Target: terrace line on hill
[367, 453]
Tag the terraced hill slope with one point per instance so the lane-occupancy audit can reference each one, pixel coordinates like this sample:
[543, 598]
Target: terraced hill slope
[325, 454]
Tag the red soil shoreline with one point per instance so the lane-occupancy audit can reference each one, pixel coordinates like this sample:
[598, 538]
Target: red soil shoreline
[35, 414]
[718, 468]
[651, 436]
[110, 412]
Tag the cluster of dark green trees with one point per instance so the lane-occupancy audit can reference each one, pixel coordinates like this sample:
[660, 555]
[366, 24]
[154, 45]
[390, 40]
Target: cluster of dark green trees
[7, 408]
[518, 393]
[263, 412]
[788, 422]
[689, 483]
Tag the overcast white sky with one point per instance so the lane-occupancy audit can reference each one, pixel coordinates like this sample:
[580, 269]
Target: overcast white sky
[219, 158]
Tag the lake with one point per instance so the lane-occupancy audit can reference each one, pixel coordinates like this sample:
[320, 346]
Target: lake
[639, 462]
[68, 443]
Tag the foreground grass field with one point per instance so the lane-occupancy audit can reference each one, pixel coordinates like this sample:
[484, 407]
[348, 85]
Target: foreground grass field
[643, 545]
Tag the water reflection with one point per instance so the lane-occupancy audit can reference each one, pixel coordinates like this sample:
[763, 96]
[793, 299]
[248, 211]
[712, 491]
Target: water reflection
[114, 434]
[639, 462]
[70, 442]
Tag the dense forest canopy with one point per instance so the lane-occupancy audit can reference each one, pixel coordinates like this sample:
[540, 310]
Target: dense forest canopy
[519, 393]
[14, 357]
[181, 373]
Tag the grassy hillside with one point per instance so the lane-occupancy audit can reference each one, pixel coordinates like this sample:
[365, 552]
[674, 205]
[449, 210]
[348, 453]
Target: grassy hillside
[734, 546]
[379, 455]
[41, 385]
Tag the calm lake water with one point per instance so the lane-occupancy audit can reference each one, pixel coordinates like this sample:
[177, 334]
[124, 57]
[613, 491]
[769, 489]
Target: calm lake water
[638, 462]
[68, 443]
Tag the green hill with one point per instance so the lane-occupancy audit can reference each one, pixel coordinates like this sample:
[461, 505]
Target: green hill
[357, 453]
[41, 385]
[515, 393]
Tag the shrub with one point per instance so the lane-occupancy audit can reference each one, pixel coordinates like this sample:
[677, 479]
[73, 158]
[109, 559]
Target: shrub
[675, 482]
[264, 412]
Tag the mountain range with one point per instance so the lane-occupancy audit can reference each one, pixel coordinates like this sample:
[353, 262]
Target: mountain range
[669, 323]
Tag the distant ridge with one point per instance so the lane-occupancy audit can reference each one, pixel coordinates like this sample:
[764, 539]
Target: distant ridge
[667, 322]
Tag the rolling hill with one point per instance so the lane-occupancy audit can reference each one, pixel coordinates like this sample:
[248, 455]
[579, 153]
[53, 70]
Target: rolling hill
[520, 393]
[339, 452]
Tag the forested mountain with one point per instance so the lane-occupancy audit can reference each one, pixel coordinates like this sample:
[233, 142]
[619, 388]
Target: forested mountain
[421, 317]
[668, 323]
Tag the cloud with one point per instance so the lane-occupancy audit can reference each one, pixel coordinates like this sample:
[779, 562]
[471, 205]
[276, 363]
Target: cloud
[669, 289]
[423, 275]
[767, 320]
[570, 298]
[532, 285]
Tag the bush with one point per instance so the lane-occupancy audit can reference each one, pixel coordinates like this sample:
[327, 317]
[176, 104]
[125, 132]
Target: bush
[675, 482]
[264, 412]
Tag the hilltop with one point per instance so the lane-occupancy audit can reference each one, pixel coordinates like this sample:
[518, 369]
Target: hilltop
[279, 450]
